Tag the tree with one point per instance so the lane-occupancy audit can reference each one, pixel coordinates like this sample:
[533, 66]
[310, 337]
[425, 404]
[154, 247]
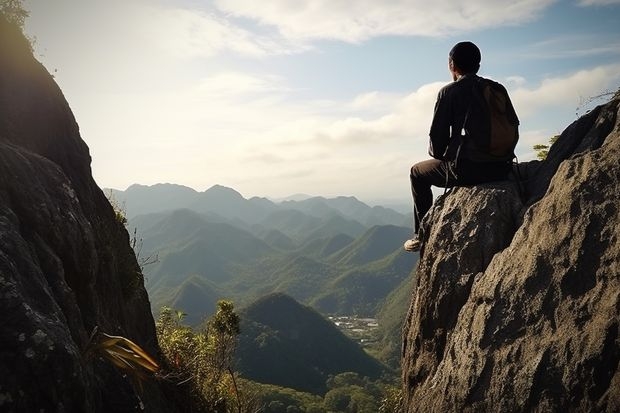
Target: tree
[14, 12]
[204, 358]
[543, 150]
[337, 400]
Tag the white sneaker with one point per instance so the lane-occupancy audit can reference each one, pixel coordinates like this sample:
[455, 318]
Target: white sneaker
[413, 245]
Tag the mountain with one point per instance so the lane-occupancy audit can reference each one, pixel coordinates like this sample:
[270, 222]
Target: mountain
[143, 199]
[189, 245]
[337, 273]
[361, 290]
[231, 205]
[285, 343]
[67, 270]
[376, 243]
[390, 317]
[197, 297]
[324, 247]
[349, 207]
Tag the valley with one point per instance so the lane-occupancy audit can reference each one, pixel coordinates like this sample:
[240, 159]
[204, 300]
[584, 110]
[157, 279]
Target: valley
[340, 257]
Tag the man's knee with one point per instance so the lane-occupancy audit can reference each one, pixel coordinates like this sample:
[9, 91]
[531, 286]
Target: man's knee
[417, 170]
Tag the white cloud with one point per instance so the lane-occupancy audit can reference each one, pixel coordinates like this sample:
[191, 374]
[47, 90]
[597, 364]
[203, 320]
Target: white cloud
[570, 89]
[226, 85]
[574, 46]
[585, 3]
[356, 21]
[194, 33]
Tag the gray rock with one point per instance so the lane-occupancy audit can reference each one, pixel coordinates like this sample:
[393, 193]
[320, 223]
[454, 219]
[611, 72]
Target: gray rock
[517, 308]
[66, 265]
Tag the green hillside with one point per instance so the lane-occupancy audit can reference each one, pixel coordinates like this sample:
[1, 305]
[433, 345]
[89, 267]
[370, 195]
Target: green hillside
[361, 290]
[375, 244]
[285, 343]
[337, 274]
[324, 247]
[391, 317]
[197, 297]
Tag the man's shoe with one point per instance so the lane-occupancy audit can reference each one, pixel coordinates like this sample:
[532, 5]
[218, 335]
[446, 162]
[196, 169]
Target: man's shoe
[413, 245]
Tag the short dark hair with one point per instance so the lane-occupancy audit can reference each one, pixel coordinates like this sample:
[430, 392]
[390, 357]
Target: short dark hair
[466, 56]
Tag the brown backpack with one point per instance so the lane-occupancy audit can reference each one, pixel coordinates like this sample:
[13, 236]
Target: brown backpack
[491, 123]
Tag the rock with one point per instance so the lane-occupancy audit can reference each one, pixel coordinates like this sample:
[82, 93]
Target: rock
[66, 265]
[524, 318]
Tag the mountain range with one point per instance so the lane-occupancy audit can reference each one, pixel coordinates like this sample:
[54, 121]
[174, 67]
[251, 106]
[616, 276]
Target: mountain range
[339, 255]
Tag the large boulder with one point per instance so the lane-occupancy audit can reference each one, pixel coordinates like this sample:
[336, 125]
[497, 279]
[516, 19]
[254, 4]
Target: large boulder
[517, 305]
[66, 265]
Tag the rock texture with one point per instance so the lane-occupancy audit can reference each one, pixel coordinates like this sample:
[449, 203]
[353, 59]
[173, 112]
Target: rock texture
[517, 305]
[65, 261]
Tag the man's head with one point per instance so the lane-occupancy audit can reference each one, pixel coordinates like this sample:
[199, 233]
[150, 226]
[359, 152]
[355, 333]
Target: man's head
[464, 59]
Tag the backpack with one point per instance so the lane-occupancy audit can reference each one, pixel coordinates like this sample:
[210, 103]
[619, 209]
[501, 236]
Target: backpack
[491, 124]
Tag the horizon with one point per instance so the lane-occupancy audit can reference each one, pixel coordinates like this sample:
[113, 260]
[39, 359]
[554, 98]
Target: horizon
[327, 99]
[400, 206]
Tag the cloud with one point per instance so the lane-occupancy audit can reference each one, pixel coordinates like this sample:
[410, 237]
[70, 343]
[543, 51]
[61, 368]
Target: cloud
[239, 85]
[363, 19]
[572, 88]
[573, 46]
[192, 33]
[586, 3]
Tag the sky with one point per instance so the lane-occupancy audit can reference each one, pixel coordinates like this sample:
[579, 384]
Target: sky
[319, 97]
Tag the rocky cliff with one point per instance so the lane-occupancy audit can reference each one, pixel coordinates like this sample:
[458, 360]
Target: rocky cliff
[517, 304]
[66, 265]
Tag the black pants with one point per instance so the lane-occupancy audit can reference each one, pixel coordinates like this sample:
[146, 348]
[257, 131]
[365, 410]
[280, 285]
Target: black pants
[443, 174]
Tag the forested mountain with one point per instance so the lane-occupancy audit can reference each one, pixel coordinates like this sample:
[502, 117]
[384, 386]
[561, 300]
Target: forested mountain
[220, 200]
[321, 252]
[333, 271]
[285, 343]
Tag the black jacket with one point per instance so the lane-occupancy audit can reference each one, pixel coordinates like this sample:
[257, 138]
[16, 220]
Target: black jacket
[446, 134]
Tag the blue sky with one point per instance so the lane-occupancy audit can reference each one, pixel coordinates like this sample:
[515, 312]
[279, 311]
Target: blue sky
[319, 97]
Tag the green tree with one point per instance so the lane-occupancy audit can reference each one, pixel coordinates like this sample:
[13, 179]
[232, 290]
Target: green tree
[204, 358]
[14, 12]
[543, 150]
[337, 400]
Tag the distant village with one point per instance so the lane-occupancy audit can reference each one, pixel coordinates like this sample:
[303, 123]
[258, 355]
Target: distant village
[362, 330]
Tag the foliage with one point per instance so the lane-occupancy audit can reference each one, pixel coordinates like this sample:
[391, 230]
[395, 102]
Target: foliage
[136, 242]
[204, 358]
[14, 12]
[124, 354]
[286, 343]
[348, 393]
[392, 400]
[120, 211]
[543, 150]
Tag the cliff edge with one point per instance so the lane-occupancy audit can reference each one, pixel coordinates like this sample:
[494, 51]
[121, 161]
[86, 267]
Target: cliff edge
[66, 265]
[517, 302]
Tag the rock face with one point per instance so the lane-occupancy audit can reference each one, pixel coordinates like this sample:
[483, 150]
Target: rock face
[66, 265]
[517, 306]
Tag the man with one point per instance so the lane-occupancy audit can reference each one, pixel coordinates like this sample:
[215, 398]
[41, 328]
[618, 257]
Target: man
[455, 136]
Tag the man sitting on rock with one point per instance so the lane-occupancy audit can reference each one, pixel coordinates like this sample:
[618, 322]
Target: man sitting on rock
[466, 137]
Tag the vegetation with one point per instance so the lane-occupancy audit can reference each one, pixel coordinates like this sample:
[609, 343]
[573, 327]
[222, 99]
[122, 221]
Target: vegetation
[124, 354]
[227, 261]
[14, 12]
[289, 358]
[348, 393]
[287, 344]
[543, 150]
[204, 358]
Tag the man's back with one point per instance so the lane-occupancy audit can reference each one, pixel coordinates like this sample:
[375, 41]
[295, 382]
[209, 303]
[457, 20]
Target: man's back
[474, 119]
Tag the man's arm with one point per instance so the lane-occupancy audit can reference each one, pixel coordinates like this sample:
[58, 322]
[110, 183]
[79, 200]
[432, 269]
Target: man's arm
[440, 127]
